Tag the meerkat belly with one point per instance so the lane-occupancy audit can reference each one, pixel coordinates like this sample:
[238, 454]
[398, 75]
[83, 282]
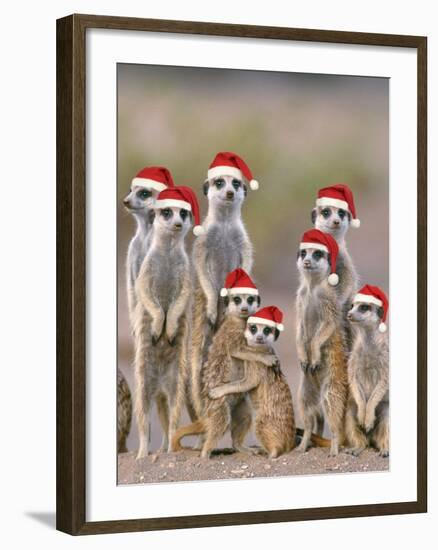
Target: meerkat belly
[225, 245]
[166, 283]
[235, 373]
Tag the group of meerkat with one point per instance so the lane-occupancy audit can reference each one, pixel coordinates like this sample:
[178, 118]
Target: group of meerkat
[206, 345]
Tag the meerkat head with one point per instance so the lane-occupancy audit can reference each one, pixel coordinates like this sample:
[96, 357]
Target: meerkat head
[332, 220]
[368, 315]
[173, 220]
[140, 200]
[258, 334]
[241, 305]
[313, 263]
[369, 309]
[225, 192]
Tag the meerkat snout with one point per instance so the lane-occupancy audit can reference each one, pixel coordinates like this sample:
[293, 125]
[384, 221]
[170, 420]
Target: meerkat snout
[230, 195]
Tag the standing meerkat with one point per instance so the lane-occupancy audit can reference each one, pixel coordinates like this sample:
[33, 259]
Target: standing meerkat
[139, 202]
[320, 342]
[221, 367]
[164, 289]
[334, 213]
[124, 412]
[367, 418]
[224, 247]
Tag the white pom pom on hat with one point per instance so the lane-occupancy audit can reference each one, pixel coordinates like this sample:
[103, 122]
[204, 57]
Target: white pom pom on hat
[355, 222]
[333, 279]
[382, 328]
[224, 292]
[198, 230]
[254, 184]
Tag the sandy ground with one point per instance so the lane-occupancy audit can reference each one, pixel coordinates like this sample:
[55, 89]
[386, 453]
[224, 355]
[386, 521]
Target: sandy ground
[188, 466]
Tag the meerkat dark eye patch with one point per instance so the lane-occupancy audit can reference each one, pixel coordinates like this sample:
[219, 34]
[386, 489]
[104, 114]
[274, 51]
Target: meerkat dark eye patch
[236, 184]
[363, 308]
[237, 300]
[144, 194]
[183, 213]
[205, 187]
[166, 213]
[326, 213]
[219, 183]
[253, 329]
[318, 254]
[302, 253]
[342, 213]
[250, 300]
[267, 331]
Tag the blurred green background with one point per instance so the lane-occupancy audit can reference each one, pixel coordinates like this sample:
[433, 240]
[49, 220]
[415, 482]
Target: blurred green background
[297, 132]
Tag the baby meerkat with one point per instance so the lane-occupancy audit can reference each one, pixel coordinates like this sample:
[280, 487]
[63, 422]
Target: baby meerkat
[224, 247]
[367, 418]
[139, 202]
[234, 411]
[321, 350]
[124, 412]
[267, 388]
[164, 290]
[334, 213]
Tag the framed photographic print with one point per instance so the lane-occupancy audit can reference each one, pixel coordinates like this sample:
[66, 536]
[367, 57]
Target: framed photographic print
[241, 274]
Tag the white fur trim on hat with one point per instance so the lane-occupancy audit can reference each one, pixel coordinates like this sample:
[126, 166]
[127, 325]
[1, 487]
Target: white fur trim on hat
[382, 328]
[254, 184]
[198, 230]
[333, 279]
[268, 322]
[172, 203]
[329, 201]
[148, 184]
[355, 223]
[243, 290]
[316, 246]
[224, 171]
[368, 299]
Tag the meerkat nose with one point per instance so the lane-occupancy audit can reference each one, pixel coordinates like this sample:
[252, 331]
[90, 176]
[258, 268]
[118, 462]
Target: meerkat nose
[335, 222]
[230, 194]
[178, 225]
[126, 202]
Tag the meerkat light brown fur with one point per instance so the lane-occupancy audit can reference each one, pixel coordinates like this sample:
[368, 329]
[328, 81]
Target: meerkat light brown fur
[124, 412]
[221, 367]
[321, 350]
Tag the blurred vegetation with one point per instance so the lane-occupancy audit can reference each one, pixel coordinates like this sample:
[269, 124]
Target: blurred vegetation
[296, 132]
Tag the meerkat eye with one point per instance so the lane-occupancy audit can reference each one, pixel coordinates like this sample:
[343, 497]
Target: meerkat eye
[342, 213]
[144, 194]
[253, 329]
[303, 254]
[183, 213]
[267, 331]
[250, 300]
[236, 184]
[166, 213]
[219, 183]
[326, 212]
[237, 300]
[318, 254]
[363, 308]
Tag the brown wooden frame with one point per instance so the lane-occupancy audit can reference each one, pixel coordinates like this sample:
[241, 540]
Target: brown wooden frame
[71, 266]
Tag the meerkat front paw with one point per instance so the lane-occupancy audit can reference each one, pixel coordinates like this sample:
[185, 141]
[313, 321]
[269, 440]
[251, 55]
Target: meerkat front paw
[314, 368]
[370, 419]
[304, 366]
[361, 417]
[212, 315]
[215, 393]
[157, 329]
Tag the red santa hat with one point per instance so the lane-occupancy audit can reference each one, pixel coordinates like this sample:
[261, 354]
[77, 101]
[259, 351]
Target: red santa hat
[270, 316]
[153, 177]
[369, 294]
[239, 282]
[230, 164]
[341, 196]
[323, 241]
[181, 197]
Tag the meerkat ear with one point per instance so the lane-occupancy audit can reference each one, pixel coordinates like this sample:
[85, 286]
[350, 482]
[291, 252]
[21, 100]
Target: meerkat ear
[258, 300]
[380, 312]
[313, 215]
[205, 187]
[245, 190]
[277, 334]
[226, 301]
[151, 215]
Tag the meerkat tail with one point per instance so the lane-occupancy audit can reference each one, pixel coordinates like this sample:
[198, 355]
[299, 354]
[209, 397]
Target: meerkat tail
[196, 428]
[317, 440]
